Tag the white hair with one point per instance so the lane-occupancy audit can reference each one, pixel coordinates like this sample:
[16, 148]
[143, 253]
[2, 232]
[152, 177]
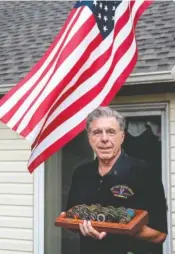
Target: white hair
[105, 112]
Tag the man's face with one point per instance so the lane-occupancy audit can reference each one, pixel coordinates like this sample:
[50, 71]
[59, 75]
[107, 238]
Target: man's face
[105, 137]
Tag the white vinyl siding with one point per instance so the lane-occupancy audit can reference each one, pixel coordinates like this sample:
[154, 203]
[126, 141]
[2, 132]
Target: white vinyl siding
[15, 252]
[16, 194]
[172, 147]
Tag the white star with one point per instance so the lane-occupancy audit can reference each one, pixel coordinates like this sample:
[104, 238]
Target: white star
[105, 18]
[95, 2]
[105, 29]
[106, 8]
[113, 18]
[113, 8]
[101, 5]
[99, 15]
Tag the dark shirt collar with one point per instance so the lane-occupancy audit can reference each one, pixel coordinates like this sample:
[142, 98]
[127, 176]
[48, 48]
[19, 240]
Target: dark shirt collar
[115, 168]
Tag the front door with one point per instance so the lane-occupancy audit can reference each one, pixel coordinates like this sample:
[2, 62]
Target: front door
[145, 139]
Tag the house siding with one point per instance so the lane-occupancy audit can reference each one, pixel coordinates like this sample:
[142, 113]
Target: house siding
[16, 194]
[172, 147]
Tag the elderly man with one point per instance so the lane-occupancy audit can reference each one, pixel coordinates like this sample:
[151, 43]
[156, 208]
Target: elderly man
[113, 172]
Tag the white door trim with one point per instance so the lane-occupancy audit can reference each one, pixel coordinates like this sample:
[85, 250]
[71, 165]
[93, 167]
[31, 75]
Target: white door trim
[162, 109]
[166, 177]
[38, 234]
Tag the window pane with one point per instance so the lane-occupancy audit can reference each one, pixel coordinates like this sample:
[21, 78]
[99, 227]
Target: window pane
[58, 173]
[73, 154]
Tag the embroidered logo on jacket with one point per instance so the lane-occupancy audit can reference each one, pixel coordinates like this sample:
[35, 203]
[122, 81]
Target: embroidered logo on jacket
[122, 191]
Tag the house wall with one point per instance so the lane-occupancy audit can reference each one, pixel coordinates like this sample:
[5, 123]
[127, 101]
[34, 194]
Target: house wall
[16, 194]
[170, 98]
[16, 184]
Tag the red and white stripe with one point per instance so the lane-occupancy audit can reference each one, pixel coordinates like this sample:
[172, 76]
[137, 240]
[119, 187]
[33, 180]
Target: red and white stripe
[79, 72]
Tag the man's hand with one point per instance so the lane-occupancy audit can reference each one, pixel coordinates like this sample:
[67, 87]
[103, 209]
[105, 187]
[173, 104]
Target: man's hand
[63, 214]
[87, 230]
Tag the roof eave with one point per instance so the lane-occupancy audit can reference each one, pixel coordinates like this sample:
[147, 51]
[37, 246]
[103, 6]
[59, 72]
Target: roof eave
[134, 79]
[152, 77]
[5, 88]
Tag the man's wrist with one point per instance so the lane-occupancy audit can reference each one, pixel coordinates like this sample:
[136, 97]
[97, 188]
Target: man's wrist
[151, 235]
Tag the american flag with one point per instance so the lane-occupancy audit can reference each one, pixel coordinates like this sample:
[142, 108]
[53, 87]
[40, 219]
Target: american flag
[84, 67]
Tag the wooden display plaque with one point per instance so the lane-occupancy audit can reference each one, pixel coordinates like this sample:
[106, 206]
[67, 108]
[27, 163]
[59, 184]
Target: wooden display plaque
[140, 219]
